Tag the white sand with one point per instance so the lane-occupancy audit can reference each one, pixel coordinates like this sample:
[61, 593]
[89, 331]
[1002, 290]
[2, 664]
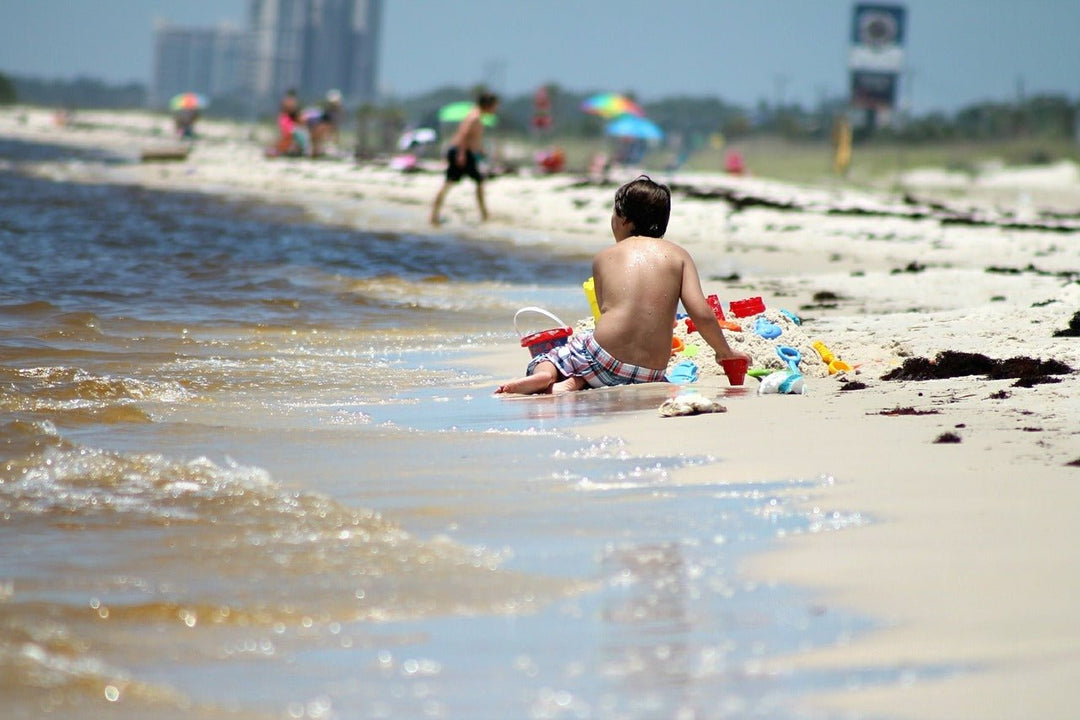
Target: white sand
[972, 555]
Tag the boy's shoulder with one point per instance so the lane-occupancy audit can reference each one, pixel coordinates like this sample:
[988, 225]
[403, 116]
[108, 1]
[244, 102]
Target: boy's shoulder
[644, 241]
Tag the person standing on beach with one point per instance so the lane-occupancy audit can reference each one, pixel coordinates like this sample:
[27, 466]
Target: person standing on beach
[464, 149]
[639, 282]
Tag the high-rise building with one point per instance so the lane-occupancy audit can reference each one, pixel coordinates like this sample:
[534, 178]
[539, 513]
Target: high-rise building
[210, 61]
[313, 46]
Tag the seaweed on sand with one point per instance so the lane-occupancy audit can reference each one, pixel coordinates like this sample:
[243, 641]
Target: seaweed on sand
[950, 364]
[1074, 327]
[897, 411]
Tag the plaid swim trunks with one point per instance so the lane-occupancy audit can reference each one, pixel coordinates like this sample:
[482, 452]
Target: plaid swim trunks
[583, 357]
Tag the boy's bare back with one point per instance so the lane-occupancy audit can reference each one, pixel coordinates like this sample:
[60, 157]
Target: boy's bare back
[470, 132]
[639, 282]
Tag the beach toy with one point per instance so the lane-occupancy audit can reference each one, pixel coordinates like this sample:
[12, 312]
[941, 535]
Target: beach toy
[825, 353]
[790, 356]
[590, 292]
[747, 307]
[735, 369]
[766, 329]
[540, 342]
[718, 311]
[725, 324]
[677, 345]
[714, 303]
[836, 365]
[759, 372]
[690, 350]
[791, 316]
[682, 373]
[783, 383]
[793, 384]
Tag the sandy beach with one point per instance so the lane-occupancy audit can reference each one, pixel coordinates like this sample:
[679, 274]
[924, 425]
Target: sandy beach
[945, 511]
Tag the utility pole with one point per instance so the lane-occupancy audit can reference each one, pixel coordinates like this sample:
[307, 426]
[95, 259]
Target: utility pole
[780, 81]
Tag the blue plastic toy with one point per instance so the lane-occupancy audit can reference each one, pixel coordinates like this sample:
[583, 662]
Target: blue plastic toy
[790, 356]
[766, 329]
[683, 373]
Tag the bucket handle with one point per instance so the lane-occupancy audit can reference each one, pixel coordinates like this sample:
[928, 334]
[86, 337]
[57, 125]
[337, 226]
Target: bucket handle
[534, 309]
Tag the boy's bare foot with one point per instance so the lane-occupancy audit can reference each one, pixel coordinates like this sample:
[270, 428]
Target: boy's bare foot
[529, 385]
[570, 384]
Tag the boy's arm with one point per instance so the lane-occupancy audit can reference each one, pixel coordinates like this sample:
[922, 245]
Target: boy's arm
[464, 133]
[697, 307]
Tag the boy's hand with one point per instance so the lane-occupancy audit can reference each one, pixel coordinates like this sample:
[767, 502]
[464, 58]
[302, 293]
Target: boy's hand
[720, 357]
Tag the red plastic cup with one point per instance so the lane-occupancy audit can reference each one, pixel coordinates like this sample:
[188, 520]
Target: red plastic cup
[735, 369]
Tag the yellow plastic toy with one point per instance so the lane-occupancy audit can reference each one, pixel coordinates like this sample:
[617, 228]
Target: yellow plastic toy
[825, 353]
[838, 366]
[835, 364]
[590, 293]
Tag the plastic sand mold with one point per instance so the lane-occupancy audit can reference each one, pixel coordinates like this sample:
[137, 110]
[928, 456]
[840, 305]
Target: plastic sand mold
[683, 373]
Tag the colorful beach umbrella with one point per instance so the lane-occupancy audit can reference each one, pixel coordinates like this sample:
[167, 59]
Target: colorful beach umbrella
[631, 126]
[456, 112]
[611, 105]
[188, 101]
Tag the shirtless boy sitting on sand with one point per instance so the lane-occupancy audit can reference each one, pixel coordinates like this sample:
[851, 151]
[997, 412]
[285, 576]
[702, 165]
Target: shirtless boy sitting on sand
[639, 283]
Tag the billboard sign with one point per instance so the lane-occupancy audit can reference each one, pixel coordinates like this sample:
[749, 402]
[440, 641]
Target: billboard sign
[876, 58]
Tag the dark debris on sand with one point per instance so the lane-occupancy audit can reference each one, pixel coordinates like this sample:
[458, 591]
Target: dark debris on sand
[912, 209]
[1074, 327]
[898, 411]
[1066, 275]
[949, 364]
[852, 385]
[823, 300]
[947, 437]
[737, 199]
[912, 267]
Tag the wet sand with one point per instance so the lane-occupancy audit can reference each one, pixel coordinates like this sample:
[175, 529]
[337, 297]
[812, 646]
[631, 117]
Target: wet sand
[968, 558]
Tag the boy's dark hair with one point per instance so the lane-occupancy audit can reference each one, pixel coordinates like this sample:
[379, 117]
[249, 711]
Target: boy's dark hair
[646, 204]
[487, 100]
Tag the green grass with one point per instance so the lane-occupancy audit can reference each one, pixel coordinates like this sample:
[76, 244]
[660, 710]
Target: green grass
[873, 163]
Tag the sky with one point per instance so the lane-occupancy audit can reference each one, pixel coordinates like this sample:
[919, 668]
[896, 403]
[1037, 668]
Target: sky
[958, 52]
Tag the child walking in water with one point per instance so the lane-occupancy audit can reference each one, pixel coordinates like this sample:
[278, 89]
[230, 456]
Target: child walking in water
[639, 282]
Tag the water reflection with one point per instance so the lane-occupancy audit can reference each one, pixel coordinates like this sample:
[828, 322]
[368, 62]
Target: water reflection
[595, 402]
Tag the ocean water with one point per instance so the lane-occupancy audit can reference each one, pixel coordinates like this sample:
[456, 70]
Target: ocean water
[246, 470]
